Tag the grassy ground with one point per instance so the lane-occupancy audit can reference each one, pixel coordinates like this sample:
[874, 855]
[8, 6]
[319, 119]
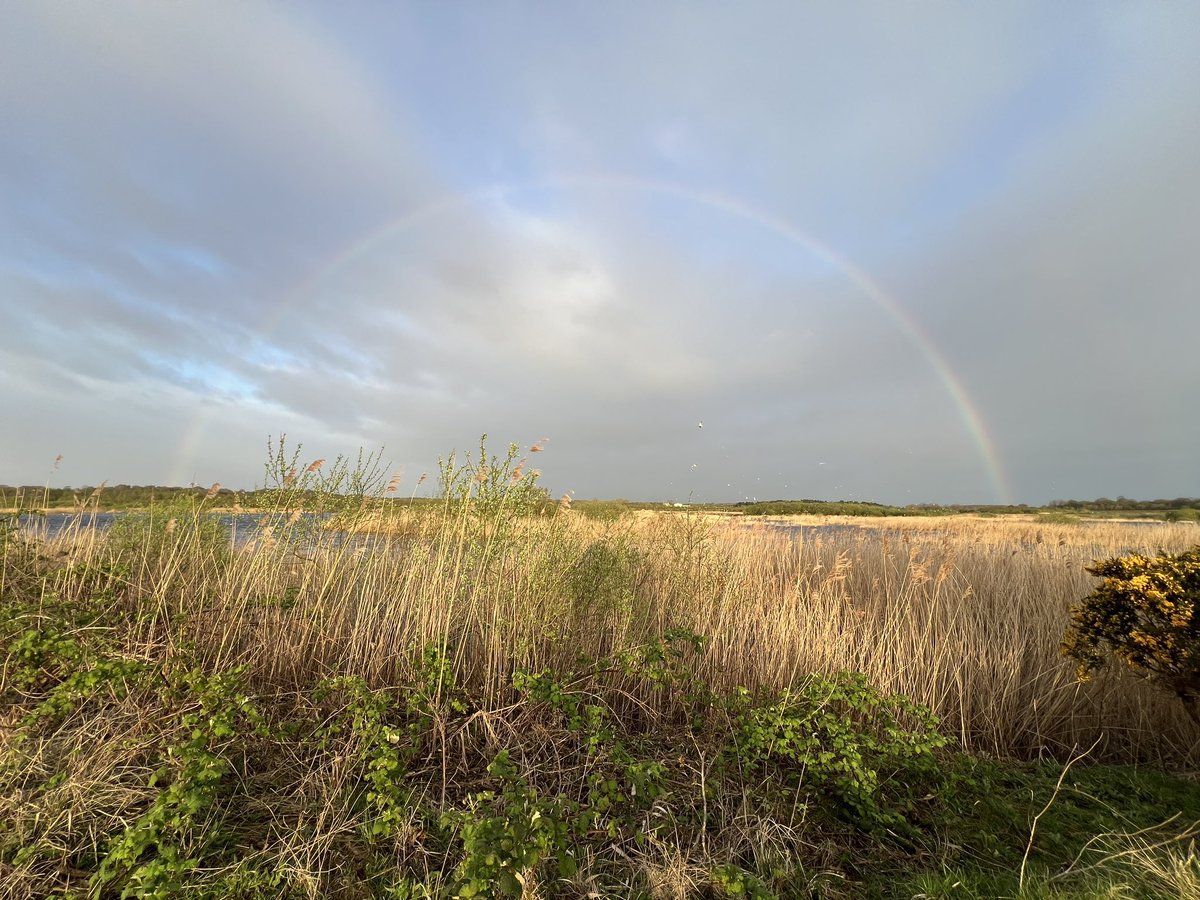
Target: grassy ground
[490, 702]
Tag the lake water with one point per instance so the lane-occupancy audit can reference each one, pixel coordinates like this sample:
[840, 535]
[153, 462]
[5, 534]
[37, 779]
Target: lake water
[241, 526]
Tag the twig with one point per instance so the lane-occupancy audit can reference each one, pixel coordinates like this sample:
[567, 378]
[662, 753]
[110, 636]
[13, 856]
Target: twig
[1053, 796]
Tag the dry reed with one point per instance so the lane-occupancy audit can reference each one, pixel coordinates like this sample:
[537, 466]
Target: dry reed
[962, 615]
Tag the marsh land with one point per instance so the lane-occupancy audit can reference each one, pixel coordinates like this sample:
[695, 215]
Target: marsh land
[496, 696]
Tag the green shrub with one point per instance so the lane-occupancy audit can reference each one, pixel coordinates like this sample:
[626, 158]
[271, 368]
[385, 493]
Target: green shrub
[1058, 518]
[158, 853]
[872, 753]
[602, 510]
[181, 524]
[506, 837]
[602, 584]
[495, 490]
[734, 881]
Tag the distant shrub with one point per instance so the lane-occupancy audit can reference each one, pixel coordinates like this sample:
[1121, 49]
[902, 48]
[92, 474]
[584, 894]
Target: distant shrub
[601, 510]
[178, 523]
[1058, 518]
[1182, 515]
[831, 508]
[496, 490]
[1145, 613]
[601, 584]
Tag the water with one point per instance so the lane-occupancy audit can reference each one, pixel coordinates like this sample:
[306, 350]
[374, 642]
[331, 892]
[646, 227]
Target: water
[241, 527]
[800, 531]
[806, 529]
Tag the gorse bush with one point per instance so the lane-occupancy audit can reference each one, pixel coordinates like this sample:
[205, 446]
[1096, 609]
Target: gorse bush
[1146, 612]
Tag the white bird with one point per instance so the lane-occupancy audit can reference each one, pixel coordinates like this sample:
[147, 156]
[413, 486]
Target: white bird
[701, 425]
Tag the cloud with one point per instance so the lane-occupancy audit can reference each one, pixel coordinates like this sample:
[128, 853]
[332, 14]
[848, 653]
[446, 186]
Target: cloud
[223, 222]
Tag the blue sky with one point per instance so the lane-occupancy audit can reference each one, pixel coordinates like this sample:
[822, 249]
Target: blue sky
[904, 252]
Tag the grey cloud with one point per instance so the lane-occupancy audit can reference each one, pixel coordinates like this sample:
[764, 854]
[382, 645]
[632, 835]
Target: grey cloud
[181, 179]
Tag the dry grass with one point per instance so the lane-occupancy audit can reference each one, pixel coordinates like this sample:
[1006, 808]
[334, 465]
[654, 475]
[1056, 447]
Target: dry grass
[964, 615]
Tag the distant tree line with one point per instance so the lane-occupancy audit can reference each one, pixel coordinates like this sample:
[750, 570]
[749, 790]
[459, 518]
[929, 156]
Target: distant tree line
[126, 496]
[832, 508]
[1124, 503]
[119, 496]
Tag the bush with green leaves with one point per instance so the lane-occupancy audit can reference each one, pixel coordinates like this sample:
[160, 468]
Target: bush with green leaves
[1146, 612]
[1186, 514]
[388, 733]
[338, 488]
[602, 584]
[872, 753]
[494, 489]
[181, 525]
[507, 837]
[156, 854]
[734, 881]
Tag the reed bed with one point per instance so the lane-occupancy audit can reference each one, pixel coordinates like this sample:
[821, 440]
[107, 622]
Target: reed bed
[354, 705]
[963, 615]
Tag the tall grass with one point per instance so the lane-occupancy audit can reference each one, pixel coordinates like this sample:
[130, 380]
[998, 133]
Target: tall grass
[962, 615]
[399, 656]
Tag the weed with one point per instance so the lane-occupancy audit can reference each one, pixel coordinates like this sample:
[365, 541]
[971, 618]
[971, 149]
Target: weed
[872, 753]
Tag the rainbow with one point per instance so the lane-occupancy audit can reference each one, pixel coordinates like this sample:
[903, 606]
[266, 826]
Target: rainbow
[969, 414]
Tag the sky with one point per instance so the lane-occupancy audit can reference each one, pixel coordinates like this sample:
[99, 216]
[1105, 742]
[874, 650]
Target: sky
[901, 252]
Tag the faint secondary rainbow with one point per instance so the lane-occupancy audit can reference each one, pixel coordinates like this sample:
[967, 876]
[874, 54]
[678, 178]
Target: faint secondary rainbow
[969, 414]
